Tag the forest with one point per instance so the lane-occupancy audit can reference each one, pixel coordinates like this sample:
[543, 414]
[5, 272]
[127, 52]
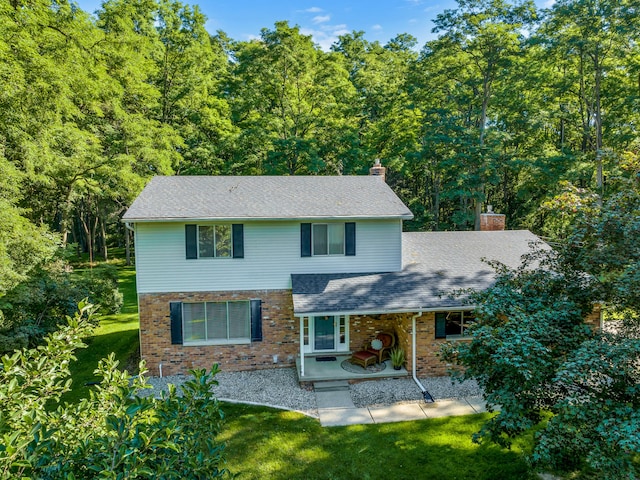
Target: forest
[531, 111]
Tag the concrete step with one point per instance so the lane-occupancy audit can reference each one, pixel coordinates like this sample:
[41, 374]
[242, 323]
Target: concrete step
[331, 386]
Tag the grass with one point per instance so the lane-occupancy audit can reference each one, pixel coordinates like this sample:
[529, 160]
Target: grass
[115, 333]
[274, 444]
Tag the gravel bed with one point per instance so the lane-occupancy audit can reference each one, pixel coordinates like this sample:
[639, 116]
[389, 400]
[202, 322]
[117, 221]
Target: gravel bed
[279, 387]
[388, 392]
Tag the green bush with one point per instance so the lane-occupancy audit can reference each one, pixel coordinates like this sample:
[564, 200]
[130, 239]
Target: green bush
[116, 433]
[35, 307]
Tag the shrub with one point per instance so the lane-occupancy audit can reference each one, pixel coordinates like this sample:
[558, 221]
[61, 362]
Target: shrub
[116, 433]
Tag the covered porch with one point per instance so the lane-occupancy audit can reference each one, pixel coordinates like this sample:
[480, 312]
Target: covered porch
[324, 367]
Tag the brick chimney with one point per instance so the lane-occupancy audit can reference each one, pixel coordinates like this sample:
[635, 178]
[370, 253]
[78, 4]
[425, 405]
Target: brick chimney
[491, 221]
[378, 170]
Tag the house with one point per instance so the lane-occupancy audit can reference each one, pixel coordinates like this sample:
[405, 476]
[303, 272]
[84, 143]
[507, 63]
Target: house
[262, 271]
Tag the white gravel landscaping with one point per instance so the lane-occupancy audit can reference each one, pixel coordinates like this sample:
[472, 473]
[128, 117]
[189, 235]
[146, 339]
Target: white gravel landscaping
[279, 387]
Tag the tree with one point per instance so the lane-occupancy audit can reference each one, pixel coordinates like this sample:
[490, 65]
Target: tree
[115, 433]
[533, 354]
[481, 40]
[593, 44]
[289, 99]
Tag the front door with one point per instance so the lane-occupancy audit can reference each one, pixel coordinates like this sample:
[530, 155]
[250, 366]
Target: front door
[324, 333]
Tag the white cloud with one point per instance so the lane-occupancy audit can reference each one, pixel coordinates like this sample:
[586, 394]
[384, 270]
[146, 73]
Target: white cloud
[377, 27]
[326, 35]
[321, 19]
[313, 10]
[549, 3]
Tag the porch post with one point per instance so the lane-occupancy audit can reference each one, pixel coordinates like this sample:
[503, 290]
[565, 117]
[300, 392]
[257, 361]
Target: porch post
[301, 346]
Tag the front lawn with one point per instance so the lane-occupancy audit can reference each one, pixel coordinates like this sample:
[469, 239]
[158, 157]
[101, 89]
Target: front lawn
[268, 443]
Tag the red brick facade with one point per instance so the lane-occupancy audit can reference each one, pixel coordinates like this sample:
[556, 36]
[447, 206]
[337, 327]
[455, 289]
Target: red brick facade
[281, 335]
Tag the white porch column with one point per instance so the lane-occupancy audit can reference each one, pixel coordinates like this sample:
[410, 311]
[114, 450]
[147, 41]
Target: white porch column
[302, 346]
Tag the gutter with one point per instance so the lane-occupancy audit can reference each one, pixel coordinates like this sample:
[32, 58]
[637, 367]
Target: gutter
[425, 394]
[128, 226]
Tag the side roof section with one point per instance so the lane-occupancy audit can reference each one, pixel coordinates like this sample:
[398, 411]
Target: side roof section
[179, 198]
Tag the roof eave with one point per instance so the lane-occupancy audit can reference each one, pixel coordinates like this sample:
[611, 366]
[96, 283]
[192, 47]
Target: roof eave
[263, 219]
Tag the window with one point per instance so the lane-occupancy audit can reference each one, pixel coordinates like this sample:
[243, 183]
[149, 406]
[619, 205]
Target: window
[322, 239]
[328, 239]
[216, 322]
[214, 241]
[453, 324]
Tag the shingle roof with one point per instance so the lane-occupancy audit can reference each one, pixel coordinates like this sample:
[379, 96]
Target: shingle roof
[435, 264]
[263, 197]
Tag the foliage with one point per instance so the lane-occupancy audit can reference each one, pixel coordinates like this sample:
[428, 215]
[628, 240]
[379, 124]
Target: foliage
[35, 307]
[397, 357]
[115, 433]
[532, 353]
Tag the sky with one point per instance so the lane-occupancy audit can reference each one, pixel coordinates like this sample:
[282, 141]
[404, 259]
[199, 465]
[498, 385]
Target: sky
[324, 20]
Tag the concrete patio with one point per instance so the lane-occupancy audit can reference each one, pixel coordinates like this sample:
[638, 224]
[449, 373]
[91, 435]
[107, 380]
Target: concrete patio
[315, 371]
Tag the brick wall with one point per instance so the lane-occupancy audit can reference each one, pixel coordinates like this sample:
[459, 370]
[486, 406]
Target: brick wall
[280, 334]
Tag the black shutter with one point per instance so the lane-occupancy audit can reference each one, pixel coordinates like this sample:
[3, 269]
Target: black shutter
[191, 240]
[256, 320]
[305, 239]
[176, 322]
[350, 238]
[441, 325]
[238, 240]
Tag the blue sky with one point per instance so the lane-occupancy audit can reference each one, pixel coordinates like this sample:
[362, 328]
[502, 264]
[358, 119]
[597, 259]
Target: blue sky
[324, 20]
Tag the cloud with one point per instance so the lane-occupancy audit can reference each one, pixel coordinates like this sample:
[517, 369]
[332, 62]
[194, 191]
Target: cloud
[321, 18]
[377, 27]
[326, 35]
[313, 10]
[549, 3]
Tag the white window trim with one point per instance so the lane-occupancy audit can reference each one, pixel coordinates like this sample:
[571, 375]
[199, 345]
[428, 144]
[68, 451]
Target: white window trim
[344, 241]
[459, 336]
[214, 225]
[218, 341]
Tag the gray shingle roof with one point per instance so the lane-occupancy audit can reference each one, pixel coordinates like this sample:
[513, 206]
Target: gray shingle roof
[262, 197]
[435, 264]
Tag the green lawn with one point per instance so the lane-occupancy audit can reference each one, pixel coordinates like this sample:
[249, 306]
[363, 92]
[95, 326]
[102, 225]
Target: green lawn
[115, 333]
[267, 443]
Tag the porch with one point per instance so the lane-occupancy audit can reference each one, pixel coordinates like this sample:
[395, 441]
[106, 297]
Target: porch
[324, 367]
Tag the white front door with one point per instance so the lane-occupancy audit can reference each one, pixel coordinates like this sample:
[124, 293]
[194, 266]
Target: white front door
[326, 333]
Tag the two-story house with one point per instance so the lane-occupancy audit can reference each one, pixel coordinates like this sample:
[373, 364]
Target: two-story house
[261, 271]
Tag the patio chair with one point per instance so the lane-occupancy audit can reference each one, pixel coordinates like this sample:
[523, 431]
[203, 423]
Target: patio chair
[369, 354]
[388, 342]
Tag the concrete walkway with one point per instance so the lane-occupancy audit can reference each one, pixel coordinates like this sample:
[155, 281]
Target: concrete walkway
[335, 408]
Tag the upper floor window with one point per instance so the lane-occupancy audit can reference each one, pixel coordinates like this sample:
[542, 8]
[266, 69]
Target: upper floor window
[328, 239]
[454, 324]
[214, 241]
[322, 239]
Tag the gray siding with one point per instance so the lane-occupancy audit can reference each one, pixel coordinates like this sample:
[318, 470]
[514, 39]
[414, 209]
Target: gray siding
[272, 254]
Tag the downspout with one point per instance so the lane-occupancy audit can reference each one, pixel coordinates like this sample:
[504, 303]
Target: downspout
[425, 395]
[301, 346]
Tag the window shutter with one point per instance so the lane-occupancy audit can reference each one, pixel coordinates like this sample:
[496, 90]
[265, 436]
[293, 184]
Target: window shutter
[238, 240]
[175, 309]
[305, 239]
[256, 320]
[350, 238]
[441, 325]
[191, 240]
